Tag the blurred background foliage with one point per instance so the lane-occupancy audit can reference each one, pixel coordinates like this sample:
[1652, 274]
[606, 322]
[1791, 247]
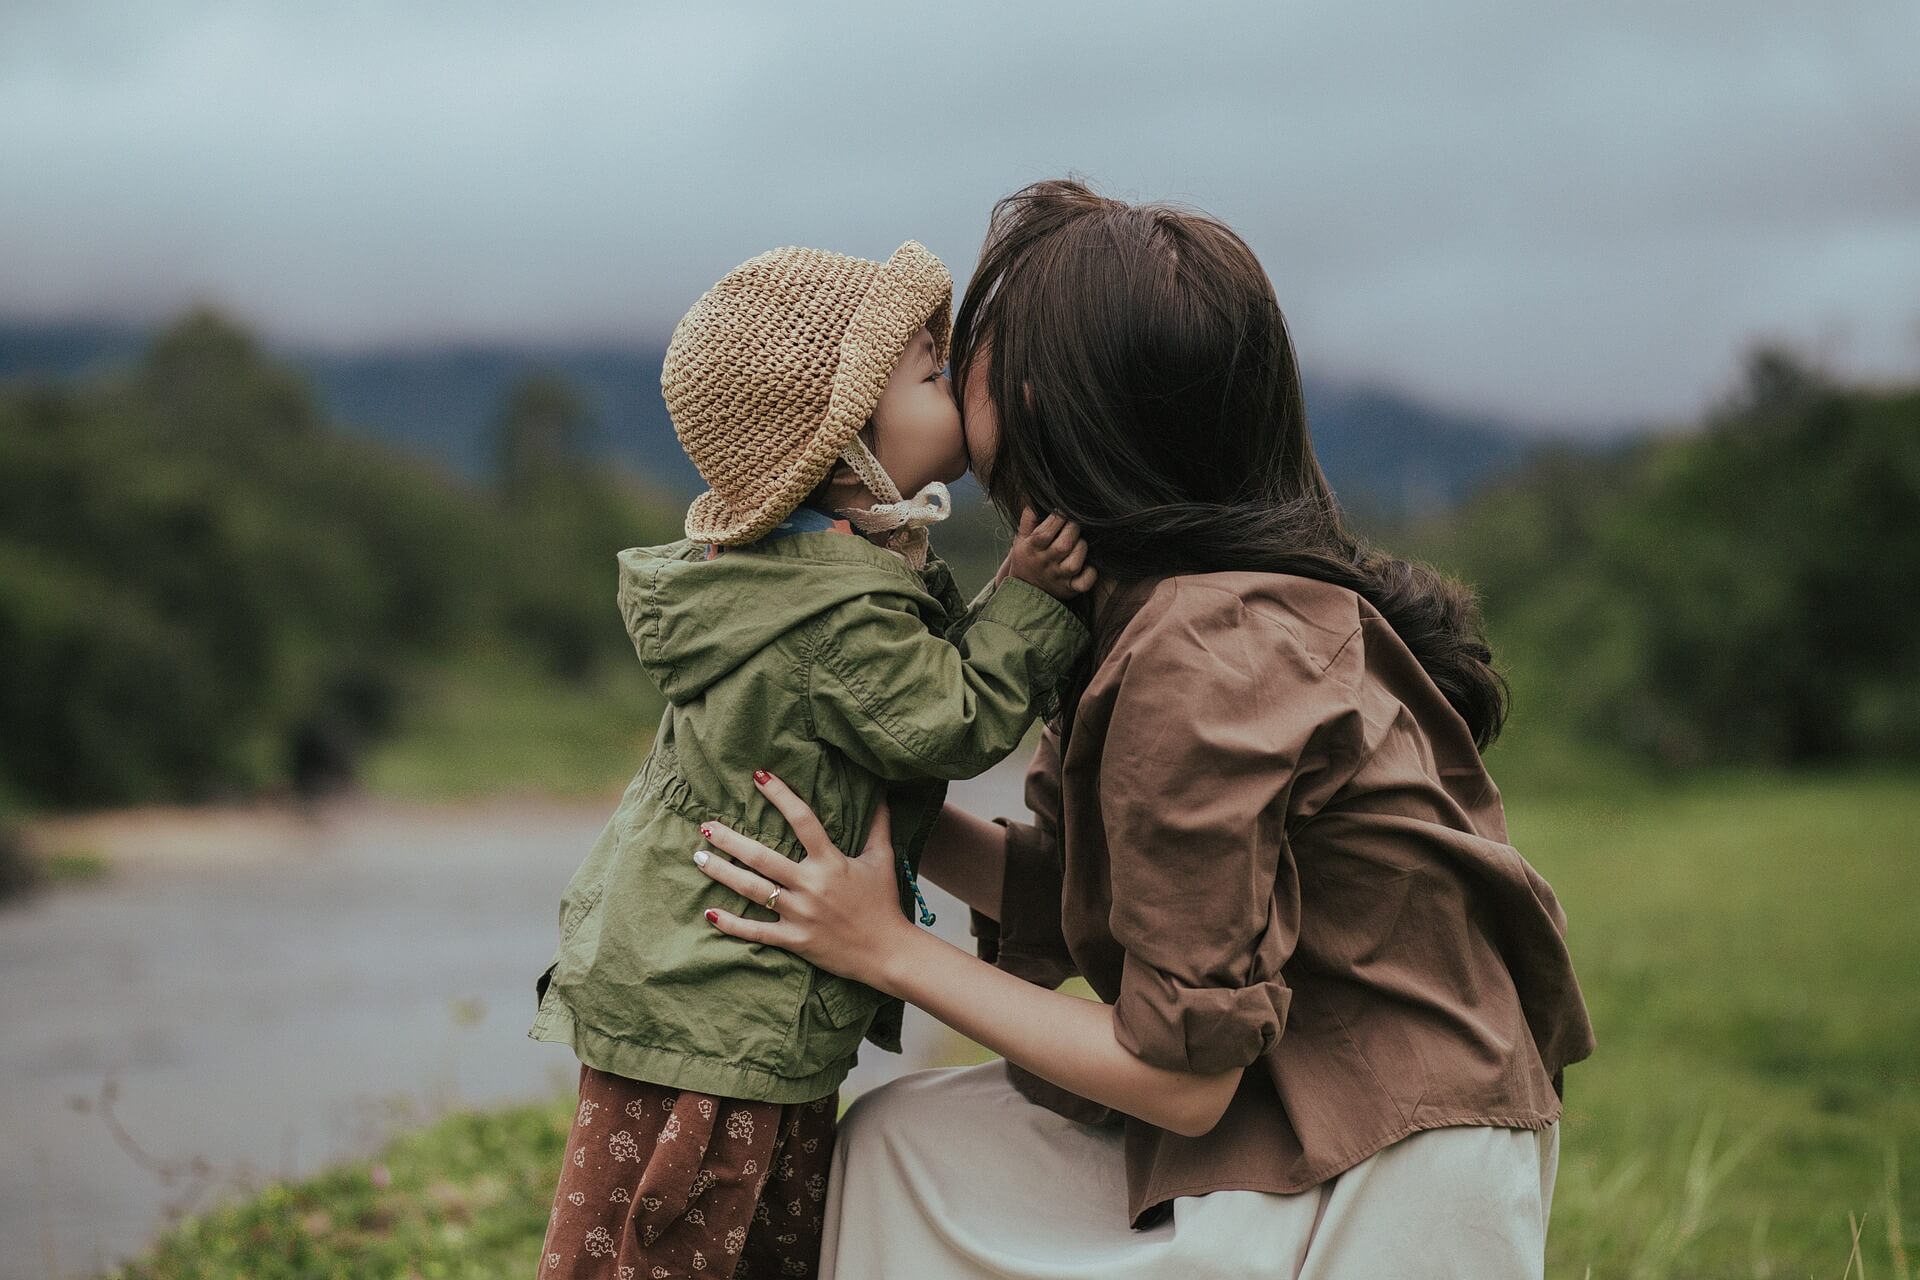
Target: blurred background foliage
[209, 589]
[1741, 593]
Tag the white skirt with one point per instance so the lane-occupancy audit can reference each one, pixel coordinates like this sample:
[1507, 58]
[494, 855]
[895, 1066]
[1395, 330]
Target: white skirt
[944, 1175]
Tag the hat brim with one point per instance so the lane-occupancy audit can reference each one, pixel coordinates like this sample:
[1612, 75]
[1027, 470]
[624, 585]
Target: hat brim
[911, 289]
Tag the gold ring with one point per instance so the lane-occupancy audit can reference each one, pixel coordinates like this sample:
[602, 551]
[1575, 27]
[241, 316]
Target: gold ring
[773, 898]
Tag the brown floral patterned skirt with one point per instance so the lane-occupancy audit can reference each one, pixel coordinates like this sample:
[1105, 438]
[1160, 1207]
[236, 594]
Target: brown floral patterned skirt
[662, 1183]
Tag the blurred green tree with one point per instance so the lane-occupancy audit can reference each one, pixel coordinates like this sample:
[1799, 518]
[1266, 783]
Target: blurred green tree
[540, 437]
[1743, 592]
[570, 516]
[205, 589]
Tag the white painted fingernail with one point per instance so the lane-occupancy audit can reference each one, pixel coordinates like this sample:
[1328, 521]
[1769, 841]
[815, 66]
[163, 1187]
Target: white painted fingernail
[699, 857]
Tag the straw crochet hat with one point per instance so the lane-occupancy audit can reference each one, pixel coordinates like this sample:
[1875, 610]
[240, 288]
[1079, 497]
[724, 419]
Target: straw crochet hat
[772, 373]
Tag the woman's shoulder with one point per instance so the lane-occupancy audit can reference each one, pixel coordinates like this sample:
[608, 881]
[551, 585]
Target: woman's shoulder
[1265, 619]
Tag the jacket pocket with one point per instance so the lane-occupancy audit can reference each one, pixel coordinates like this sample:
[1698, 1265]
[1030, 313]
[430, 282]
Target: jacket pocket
[573, 914]
[843, 1004]
[574, 958]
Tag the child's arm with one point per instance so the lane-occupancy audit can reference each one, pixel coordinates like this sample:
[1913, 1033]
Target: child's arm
[905, 703]
[1049, 554]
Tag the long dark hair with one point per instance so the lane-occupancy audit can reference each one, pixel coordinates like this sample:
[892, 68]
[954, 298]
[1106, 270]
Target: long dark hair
[1146, 387]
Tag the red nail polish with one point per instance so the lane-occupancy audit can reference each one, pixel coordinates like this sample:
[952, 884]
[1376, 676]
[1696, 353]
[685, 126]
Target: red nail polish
[762, 777]
[713, 917]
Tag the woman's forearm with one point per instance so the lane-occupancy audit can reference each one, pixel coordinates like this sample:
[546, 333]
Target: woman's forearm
[967, 856]
[1058, 1037]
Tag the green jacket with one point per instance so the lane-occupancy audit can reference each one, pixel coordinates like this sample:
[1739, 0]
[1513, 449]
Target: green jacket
[827, 660]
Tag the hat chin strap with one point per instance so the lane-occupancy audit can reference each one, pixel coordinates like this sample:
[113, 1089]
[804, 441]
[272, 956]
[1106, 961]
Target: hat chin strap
[907, 518]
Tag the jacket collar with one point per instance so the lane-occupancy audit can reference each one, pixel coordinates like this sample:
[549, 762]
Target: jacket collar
[1114, 609]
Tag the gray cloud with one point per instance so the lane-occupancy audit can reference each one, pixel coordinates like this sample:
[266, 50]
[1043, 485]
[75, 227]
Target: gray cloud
[1571, 215]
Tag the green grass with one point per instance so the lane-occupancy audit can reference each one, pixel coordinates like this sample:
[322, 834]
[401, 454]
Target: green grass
[1749, 952]
[77, 865]
[465, 1199]
[489, 725]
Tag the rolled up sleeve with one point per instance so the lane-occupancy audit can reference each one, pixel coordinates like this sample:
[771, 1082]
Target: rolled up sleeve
[1162, 1021]
[1220, 720]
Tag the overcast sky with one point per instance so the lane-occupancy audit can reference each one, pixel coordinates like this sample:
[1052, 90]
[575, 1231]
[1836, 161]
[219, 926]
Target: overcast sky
[1573, 215]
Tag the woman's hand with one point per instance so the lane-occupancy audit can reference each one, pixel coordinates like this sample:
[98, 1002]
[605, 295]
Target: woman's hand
[842, 914]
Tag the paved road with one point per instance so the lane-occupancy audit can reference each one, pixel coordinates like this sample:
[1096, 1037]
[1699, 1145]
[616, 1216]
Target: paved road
[272, 995]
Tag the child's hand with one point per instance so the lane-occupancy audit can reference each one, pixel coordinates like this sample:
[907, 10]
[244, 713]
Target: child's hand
[1050, 555]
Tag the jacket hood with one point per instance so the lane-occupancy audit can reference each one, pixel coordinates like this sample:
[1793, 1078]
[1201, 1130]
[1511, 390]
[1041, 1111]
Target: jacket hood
[694, 620]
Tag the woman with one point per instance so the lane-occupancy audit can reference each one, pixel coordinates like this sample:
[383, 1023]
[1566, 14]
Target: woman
[1336, 1003]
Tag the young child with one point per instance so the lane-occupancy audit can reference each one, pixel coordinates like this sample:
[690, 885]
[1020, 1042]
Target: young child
[802, 626]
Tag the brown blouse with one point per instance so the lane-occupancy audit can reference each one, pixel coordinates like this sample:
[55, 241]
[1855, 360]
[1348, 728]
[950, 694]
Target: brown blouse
[1265, 838]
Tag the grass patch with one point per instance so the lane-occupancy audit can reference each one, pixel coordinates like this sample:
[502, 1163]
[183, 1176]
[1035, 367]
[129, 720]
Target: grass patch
[77, 865]
[491, 724]
[25, 869]
[1748, 949]
[465, 1199]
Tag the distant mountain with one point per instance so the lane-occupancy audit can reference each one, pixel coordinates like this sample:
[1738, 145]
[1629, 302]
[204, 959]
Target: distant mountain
[443, 402]
[1386, 454]
[65, 350]
[1389, 454]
